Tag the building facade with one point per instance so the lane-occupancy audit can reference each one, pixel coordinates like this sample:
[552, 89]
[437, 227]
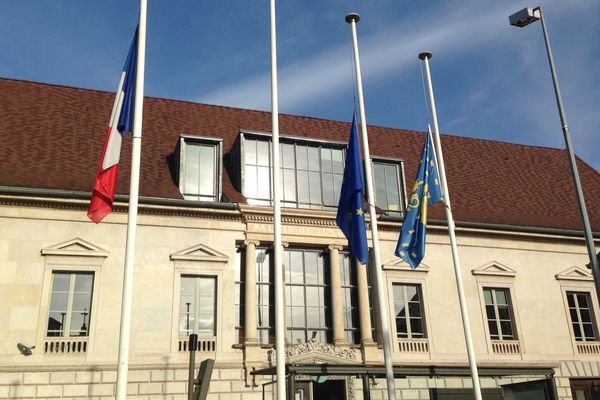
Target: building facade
[204, 261]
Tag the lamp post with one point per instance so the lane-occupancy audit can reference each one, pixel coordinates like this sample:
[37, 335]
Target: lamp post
[523, 18]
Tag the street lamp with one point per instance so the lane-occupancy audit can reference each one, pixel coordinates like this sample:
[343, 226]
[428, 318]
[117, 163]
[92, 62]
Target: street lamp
[523, 18]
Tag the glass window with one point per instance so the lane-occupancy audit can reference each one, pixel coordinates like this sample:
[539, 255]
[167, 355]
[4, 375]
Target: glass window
[70, 304]
[408, 308]
[307, 297]
[239, 295]
[388, 187]
[311, 173]
[199, 169]
[197, 305]
[265, 300]
[349, 298]
[499, 314]
[582, 316]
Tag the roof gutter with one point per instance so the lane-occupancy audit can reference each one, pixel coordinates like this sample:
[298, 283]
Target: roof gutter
[79, 195]
[162, 201]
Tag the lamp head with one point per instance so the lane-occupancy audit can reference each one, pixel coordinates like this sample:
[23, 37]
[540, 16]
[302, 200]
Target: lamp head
[524, 17]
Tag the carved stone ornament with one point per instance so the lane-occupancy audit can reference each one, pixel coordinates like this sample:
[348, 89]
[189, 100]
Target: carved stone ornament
[316, 352]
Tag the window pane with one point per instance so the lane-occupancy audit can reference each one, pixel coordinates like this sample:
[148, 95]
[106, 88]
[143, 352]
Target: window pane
[315, 187]
[326, 160]
[313, 159]
[487, 296]
[303, 188]
[493, 328]
[501, 297]
[380, 189]
[391, 178]
[337, 162]
[588, 331]
[84, 282]
[192, 169]
[59, 301]
[416, 326]
[60, 282]
[582, 299]
[262, 153]
[287, 155]
[301, 158]
[503, 312]
[250, 185]
[507, 331]
[571, 299]
[577, 331]
[263, 188]
[289, 185]
[207, 170]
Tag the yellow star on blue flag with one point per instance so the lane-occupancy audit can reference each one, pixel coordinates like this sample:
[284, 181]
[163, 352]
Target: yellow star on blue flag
[426, 190]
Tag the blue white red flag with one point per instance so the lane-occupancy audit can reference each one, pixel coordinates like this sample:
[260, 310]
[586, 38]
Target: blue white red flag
[121, 122]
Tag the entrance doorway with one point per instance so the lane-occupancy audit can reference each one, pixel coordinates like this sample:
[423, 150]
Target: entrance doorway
[328, 390]
[585, 389]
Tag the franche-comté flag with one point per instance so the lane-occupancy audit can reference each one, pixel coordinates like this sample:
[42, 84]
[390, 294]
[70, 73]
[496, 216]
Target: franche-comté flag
[121, 122]
[350, 216]
[411, 244]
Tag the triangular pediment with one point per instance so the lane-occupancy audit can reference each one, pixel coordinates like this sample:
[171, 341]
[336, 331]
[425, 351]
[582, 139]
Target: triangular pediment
[399, 264]
[574, 274]
[313, 352]
[200, 252]
[75, 247]
[494, 268]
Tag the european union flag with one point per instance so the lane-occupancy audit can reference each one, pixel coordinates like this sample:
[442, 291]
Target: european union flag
[411, 244]
[350, 217]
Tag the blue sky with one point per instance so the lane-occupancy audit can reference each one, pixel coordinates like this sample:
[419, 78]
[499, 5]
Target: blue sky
[491, 80]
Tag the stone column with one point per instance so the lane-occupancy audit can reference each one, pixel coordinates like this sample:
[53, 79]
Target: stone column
[250, 293]
[337, 307]
[363, 304]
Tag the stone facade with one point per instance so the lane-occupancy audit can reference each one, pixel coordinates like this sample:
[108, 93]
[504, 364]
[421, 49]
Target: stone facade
[44, 235]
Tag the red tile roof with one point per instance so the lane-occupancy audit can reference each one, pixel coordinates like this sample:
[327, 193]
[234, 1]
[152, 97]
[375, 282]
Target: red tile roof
[52, 138]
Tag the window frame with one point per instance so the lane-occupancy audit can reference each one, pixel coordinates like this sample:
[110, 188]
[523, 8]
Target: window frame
[197, 300]
[592, 312]
[401, 181]
[352, 327]
[74, 255]
[186, 140]
[408, 317]
[67, 317]
[327, 330]
[497, 320]
[296, 142]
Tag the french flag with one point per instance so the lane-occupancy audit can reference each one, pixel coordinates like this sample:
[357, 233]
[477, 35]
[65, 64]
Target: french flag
[121, 122]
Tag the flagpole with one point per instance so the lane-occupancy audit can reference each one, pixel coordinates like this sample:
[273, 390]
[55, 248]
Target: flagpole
[279, 306]
[126, 306]
[425, 56]
[352, 19]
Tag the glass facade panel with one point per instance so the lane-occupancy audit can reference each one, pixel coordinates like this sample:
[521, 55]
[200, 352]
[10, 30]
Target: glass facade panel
[70, 304]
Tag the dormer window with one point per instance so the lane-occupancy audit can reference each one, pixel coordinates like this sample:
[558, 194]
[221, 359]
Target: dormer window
[199, 168]
[389, 184]
[311, 171]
